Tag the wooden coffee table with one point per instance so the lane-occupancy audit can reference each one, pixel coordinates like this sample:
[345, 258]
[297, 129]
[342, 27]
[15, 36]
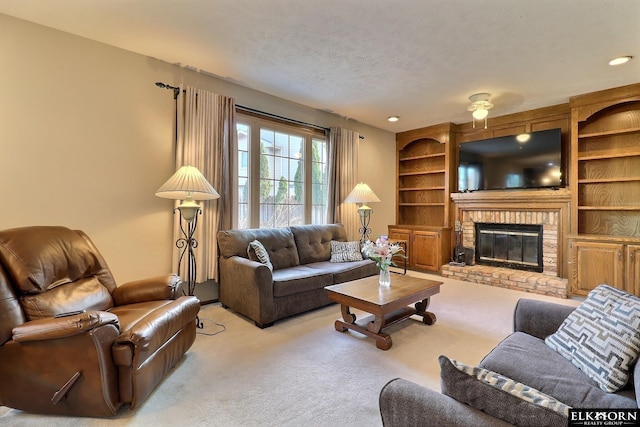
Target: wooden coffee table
[388, 305]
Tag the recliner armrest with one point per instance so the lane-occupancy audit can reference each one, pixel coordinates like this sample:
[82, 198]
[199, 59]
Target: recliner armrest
[62, 327]
[154, 330]
[167, 287]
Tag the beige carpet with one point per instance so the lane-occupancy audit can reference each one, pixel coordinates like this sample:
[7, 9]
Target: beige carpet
[302, 371]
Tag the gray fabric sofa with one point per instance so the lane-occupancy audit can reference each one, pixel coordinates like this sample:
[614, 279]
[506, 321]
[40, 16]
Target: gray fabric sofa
[524, 357]
[301, 269]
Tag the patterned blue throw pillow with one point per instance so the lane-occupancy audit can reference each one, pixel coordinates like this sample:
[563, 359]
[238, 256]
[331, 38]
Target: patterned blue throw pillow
[345, 251]
[260, 253]
[602, 336]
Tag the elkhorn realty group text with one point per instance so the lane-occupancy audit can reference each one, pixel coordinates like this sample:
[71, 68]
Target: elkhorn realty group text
[603, 417]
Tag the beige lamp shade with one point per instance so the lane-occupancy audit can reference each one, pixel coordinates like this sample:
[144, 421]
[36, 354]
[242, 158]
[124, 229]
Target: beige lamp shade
[361, 193]
[189, 185]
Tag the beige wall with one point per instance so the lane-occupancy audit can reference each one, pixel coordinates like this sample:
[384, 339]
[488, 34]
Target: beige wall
[86, 138]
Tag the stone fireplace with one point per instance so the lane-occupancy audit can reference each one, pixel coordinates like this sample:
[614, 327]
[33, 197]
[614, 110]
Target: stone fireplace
[544, 210]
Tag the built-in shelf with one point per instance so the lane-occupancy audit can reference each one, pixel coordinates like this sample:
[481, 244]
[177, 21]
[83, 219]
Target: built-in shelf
[426, 156]
[420, 204]
[609, 132]
[609, 208]
[608, 180]
[626, 153]
[421, 172]
[605, 223]
[423, 184]
[422, 188]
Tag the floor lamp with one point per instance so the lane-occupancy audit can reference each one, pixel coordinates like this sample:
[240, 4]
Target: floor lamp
[363, 194]
[188, 185]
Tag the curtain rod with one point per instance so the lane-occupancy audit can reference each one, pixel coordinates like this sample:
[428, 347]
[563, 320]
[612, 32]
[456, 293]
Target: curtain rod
[176, 92]
[286, 119]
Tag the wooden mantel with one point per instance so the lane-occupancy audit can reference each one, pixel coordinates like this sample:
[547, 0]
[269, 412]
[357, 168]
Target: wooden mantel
[521, 199]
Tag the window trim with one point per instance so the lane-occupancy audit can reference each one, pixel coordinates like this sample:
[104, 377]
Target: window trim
[256, 121]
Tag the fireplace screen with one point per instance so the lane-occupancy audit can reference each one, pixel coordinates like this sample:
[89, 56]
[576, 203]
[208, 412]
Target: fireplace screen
[509, 245]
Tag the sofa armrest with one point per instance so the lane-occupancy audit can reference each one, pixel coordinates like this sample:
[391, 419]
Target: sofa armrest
[62, 327]
[404, 403]
[539, 318]
[167, 287]
[247, 287]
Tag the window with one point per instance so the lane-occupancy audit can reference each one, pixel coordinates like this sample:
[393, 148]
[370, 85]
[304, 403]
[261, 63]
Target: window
[282, 174]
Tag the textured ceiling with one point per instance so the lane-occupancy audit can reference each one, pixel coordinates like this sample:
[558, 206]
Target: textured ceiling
[369, 59]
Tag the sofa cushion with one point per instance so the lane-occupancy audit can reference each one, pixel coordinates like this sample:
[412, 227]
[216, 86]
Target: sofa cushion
[345, 251]
[529, 360]
[346, 271]
[602, 336]
[500, 396]
[278, 242]
[293, 280]
[257, 252]
[314, 241]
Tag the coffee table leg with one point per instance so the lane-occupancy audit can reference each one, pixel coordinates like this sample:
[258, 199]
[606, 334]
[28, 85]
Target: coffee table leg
[383, 341]
[372, 330]
[428, 318]
[347, 315]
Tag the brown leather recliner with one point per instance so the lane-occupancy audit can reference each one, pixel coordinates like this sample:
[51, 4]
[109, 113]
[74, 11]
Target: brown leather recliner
[71, 341]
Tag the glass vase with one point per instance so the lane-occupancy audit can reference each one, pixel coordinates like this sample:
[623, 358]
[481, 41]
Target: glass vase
[385, 278]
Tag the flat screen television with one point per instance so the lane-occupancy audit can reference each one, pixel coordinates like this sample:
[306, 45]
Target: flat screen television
[511, 162]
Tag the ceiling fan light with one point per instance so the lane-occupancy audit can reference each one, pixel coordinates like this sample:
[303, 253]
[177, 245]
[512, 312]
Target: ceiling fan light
[620, 60]
[480, 113]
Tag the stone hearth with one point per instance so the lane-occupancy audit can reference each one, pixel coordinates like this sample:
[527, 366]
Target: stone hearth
[527, 281]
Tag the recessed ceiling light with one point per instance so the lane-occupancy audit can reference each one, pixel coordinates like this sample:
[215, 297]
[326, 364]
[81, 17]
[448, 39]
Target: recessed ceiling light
[393, 118]
[523, 137]
[620, 60]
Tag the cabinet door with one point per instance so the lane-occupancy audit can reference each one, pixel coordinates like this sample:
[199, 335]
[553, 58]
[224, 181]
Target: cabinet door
[426, 250]
[595, 263]
[405, 235]
[633, 269]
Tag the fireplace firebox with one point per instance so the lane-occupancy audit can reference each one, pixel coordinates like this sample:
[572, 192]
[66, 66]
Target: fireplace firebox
[517, 246]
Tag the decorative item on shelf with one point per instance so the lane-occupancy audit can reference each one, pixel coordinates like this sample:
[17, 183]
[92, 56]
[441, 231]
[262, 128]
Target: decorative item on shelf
[480, 106]
[363, 194]
[188, 185]
[382, 252]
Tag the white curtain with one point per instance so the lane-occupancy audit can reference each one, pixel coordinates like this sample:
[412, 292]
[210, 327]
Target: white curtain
[343, 176]
[205, 132]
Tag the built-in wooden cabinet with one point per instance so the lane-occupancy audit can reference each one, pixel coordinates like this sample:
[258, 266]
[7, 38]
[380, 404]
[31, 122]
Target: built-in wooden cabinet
[595, 260]
[423, 187]
[594, 263]
[633, 269]
[605, 151]
[427, 247]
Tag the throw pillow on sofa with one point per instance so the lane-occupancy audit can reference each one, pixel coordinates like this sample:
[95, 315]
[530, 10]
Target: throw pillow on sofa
[345, 251]
[257, 252]
[500, 396]
[602, 336]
